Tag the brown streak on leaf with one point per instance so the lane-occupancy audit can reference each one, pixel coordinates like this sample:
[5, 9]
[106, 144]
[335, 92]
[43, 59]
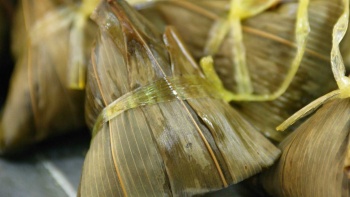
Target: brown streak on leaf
[281, 40]
[210, 150]
[115, 163]
[93, 62]
[213, 16]
[195, 8]
[120, 13]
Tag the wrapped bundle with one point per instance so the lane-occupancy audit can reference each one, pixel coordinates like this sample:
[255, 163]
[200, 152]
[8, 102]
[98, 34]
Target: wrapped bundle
[40, 102]
[158, 126]
[315, 159]
[313, 156]
[270, 49]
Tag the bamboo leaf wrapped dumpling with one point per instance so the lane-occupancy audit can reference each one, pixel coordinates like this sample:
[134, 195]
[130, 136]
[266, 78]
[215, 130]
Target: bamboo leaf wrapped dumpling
[313, 156]
[175, 139]
[40, 103]
[269, 41]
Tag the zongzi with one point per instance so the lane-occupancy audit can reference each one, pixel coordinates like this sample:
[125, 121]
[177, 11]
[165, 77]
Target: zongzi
[312, 162]
[270, 48]
[159, 129]
[315, 161]
[40, 102]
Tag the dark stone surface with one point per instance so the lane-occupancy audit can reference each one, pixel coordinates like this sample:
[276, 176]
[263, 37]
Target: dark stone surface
[30, 173]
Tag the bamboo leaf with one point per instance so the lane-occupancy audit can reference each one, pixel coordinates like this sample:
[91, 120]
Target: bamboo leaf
[270, 48]
[39, 103]
[313, 156]
[174, 148]
[319, 147]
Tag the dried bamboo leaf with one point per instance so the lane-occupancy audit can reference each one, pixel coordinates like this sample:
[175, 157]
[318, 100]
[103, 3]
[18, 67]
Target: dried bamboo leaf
[174, 148]
[338, 69]
[314, 160]
[39, 103]
[347, 161]
[176, 13]
[269, 48]
[231, 27]
[313, 156]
